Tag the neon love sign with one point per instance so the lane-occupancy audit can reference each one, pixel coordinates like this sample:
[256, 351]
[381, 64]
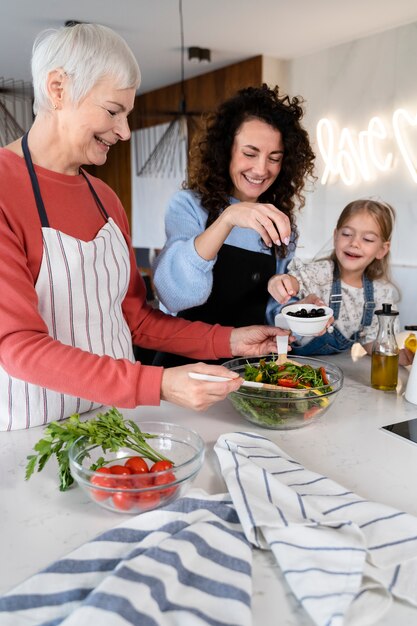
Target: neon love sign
[359, 156]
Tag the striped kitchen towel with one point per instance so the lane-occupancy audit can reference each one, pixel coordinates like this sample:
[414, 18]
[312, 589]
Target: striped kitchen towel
[344, 557]
[186, 564]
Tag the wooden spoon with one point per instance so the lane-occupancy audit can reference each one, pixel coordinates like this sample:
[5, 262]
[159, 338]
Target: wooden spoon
[246, 383]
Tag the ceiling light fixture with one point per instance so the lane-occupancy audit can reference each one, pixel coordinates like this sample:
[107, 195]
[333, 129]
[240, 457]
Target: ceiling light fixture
[199, 55]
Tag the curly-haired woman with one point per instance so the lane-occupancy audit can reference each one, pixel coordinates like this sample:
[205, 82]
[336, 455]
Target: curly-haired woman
[232, 227]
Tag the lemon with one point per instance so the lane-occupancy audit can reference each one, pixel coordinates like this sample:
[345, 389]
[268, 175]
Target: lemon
[411, 342]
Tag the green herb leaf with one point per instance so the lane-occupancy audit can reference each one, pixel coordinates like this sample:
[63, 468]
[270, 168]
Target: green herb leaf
[109, 430]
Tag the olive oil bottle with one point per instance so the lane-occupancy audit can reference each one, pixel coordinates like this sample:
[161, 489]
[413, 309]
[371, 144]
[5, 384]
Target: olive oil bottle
[385, 351]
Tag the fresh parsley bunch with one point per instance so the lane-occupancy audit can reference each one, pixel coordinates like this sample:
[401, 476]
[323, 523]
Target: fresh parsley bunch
[109, 430]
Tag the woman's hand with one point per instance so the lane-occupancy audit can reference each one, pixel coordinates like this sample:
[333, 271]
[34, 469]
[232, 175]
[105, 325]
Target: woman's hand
[177, 387]
[273, 225]
[282, 287]
[255, 340]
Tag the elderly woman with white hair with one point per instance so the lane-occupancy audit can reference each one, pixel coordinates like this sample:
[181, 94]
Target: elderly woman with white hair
[73, 301]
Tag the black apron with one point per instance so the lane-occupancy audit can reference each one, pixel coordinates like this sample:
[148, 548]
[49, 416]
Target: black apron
[238, 298]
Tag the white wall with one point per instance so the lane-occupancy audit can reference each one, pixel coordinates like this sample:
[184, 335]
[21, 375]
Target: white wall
[350, 84]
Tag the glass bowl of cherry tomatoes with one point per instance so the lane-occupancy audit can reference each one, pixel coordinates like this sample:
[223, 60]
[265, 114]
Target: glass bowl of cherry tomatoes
[126, 482]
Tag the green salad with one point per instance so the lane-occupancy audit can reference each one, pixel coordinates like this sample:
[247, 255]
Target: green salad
[283, 406]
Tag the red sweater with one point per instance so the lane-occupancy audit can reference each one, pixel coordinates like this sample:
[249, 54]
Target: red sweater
[27, 351]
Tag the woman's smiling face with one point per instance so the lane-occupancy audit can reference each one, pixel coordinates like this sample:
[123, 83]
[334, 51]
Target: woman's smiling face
[90, 127]
[256, 159]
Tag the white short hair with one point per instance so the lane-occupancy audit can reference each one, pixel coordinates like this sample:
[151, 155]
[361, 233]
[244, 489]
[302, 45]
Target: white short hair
[87, 53]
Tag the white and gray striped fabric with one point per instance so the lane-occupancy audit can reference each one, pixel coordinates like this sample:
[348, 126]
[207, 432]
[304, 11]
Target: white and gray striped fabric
[343, 557]
[187, 564]
[80, 287]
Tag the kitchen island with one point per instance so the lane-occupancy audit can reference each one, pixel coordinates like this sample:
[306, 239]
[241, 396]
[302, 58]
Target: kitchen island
[39, 524]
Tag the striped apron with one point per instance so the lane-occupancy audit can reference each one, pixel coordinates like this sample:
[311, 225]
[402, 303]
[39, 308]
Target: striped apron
[81, 287]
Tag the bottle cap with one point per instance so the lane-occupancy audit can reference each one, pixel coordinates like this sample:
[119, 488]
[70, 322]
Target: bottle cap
[386, 310]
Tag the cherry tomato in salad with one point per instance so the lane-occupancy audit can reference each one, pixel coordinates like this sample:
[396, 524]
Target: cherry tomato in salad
[137, 465]
[324, 375]
[161, 466]
[287, 382]
[311, 412]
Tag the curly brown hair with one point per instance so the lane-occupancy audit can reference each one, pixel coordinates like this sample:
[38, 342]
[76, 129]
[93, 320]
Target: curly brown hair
[211, 151]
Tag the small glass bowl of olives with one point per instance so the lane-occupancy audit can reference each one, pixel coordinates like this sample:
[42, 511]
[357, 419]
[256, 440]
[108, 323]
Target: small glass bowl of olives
[304, 319]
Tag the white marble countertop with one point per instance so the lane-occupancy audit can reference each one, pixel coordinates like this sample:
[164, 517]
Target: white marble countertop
[39, 524]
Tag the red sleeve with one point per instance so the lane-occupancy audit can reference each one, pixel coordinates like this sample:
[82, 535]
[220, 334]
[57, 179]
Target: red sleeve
[29, 353]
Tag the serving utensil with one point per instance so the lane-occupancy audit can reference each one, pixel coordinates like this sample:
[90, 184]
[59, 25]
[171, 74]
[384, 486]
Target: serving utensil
[282, 348]
[246, 383]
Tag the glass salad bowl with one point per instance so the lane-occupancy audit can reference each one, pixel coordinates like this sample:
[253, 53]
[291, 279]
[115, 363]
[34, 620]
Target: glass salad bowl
[286, 407]
[128, 483]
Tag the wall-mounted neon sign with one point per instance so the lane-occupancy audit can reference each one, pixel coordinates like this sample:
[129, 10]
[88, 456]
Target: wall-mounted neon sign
[360, 156]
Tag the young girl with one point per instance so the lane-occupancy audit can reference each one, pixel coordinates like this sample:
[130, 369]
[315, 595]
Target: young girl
[354, 280]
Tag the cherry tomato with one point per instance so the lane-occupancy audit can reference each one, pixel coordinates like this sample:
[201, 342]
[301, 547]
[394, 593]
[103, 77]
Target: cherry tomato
[137, 465]
[287, 382]
[311, 412]
[122, 499]
[165, 479]
[139, 481]
[324, 375]
[148, 500]
[120, 469]
[160, 466]
[101, 481]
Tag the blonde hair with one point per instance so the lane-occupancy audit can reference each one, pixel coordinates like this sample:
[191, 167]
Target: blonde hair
[384, 215]
[86, 53]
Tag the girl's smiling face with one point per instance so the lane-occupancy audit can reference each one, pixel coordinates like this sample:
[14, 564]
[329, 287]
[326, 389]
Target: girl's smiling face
[256, 159]
[357, 243]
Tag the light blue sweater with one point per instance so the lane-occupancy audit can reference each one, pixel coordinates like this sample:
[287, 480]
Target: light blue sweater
[182, 278]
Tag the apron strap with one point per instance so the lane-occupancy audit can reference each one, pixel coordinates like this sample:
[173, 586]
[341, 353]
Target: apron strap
[368, 296]
[95, 196]
[37, 192]
[34, 180]
[369, 302]
[336, 292]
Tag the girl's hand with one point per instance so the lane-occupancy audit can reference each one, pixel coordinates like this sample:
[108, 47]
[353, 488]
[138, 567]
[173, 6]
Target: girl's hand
[273, 225]
[282, 287]
[406, 357]
[311, 298]
[177, 387]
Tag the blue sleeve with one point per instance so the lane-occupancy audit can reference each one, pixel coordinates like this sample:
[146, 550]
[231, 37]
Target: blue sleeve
[182, 278]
